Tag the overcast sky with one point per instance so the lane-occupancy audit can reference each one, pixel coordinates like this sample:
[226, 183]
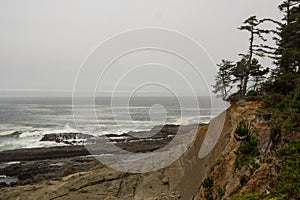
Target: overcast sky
[44, 42]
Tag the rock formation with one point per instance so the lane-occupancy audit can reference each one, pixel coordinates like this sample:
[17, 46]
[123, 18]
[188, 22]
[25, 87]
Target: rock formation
[181, 180]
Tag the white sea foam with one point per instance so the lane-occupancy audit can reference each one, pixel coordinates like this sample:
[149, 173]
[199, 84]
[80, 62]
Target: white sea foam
[42, 132]
[33, 121]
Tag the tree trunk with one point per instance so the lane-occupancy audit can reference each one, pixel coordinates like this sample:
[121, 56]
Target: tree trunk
[224, 88]
[244, 89]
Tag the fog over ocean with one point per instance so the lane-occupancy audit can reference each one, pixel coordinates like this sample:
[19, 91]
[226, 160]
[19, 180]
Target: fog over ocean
[24, 121]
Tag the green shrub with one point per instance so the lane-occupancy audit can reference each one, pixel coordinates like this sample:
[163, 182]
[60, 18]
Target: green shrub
[249, 147]
[242, 130]
[247, 197]
[244, 179]
[285, 109]
[271, 100]
[252, 93]
[255, 165]
[221, 191]
[287, 183]
[208, 183]
[208, 196]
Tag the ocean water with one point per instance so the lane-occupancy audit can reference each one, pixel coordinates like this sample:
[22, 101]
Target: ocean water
[24, 121]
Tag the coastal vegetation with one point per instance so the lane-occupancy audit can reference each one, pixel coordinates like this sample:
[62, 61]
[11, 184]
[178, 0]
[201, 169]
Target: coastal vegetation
[247, 76]
[278, 88]
[248, 150]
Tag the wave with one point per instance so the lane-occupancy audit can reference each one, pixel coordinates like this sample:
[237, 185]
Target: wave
[41, 132]
[6, 133]
[30, 137]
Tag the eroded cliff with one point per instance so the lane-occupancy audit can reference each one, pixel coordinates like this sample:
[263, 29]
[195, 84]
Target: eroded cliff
[234, 173]
[180, 180]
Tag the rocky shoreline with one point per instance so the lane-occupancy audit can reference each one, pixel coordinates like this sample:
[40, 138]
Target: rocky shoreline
[131, 141]
[28, 166]
[29, 172]
[69, 172]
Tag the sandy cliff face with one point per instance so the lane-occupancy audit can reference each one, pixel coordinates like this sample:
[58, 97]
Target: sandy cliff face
[181, 180]
[225, 173]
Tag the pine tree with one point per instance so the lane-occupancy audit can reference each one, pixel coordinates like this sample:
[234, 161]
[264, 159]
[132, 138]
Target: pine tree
[285, 78]
[286, 8]
[258, 74]
[252, 26]
[224, 79]
[289, 44]
[239, 72]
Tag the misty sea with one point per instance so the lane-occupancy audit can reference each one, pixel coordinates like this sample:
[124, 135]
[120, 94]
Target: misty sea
[24, 121]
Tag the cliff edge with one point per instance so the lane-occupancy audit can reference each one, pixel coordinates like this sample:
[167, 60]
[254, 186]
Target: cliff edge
[182, 179]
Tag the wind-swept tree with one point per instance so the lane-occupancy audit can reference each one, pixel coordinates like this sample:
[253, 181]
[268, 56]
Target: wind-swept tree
[224, 79]
[252, 25]
[286, 56]
[256, 73]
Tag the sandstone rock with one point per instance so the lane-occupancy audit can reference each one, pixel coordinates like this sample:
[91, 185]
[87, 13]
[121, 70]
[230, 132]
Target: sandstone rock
[183, 176]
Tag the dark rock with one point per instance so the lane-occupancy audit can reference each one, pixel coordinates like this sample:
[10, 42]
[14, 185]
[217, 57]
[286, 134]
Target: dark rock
[43, 153]
[35, 171]
[67, 138]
